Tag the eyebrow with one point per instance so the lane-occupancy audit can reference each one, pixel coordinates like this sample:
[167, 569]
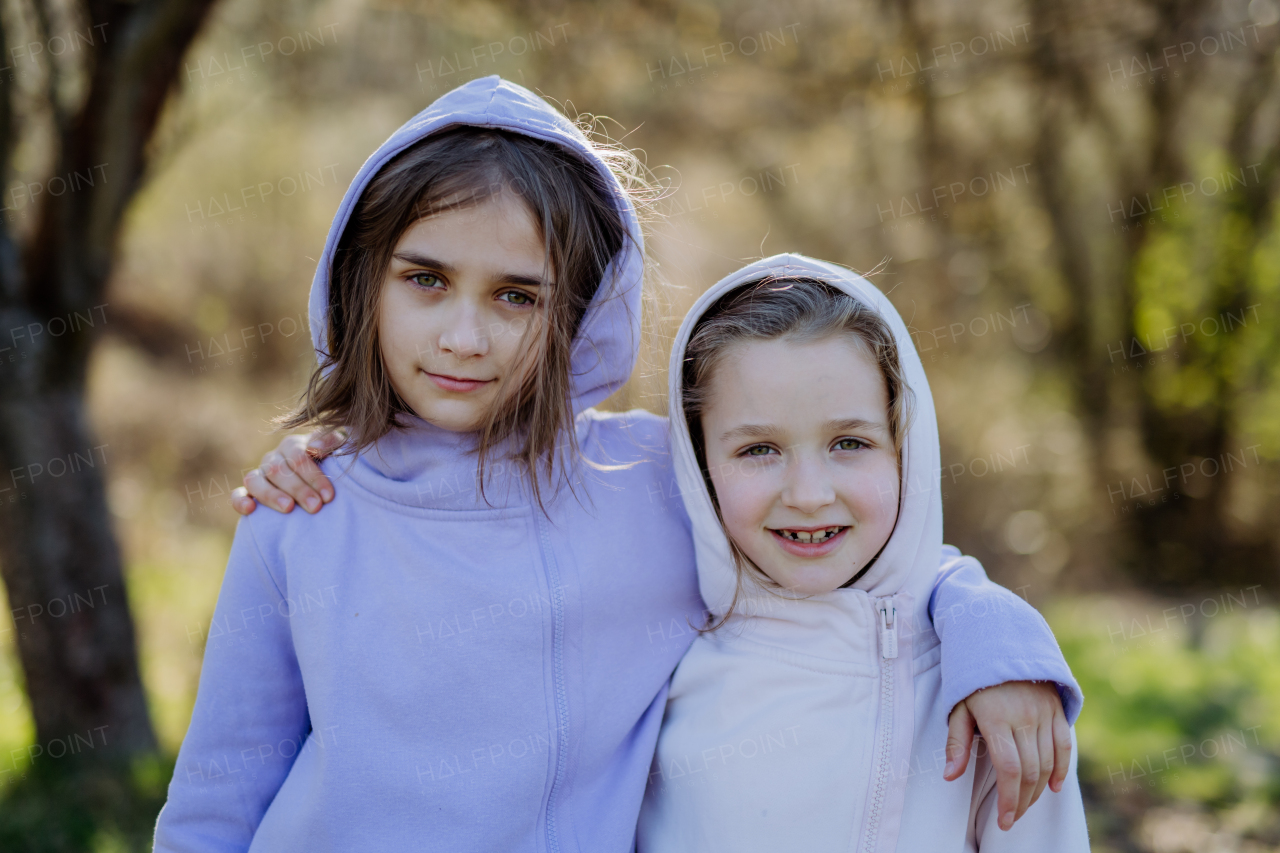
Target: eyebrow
[449, 269]
[766, 431]
[749, 431]
[854, 425]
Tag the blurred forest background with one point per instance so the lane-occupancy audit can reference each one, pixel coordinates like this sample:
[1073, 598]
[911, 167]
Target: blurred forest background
[1077, 206]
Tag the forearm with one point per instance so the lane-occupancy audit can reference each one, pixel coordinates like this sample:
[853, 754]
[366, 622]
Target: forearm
[990, 635]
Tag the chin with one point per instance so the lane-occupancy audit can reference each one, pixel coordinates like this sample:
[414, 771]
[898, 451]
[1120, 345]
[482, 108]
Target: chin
[816, 587]
[803, 577]
[806, 582]
[448, 418]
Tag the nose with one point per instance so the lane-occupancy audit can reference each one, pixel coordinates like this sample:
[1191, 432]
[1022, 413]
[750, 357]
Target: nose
[464, 334]
[808, 487]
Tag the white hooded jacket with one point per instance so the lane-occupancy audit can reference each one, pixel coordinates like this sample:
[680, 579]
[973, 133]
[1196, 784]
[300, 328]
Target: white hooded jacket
[817, 724]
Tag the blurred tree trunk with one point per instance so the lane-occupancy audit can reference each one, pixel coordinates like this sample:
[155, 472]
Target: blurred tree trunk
[1186, 541]
[60, 560]
[1182, 542]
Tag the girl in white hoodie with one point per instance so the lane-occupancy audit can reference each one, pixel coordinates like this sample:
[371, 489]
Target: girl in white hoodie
[809, 717]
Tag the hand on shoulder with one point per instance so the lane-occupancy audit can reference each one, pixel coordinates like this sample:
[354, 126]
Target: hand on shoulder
[289, 474]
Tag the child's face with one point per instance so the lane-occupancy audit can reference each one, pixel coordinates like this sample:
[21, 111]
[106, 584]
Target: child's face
[462, 291]
[800, 454]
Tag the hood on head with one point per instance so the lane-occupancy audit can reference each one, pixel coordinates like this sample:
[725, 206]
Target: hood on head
[909, 561]
[608, 339]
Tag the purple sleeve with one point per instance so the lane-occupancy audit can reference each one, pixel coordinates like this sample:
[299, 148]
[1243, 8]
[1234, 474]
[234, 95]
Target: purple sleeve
[990, 636]
[250, 719]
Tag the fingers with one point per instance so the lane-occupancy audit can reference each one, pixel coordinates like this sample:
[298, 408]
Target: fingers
[241, 502]
[1026, 739]
[1044, 752]
[279, 470]
[260, 488]
[1008, 765]
[290, 474]
[1030, 741]
[1061, 751]
[284, 469]
[959, 741]
[321, 444]
[301, 453]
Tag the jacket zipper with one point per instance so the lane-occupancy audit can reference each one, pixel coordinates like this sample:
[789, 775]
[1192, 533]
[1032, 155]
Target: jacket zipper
[557, 655]
[887, 621]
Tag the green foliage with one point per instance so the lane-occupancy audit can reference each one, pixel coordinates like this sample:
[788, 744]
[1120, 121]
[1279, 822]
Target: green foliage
[1179, 706]
[837, 107]
[92, 807]
[1204, 283]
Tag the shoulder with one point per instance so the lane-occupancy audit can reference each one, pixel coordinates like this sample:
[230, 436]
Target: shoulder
[264, 531]
[631, 452]
[254, 564]
[631, 436]
[956, 566]
[266, 526]
[271, 536]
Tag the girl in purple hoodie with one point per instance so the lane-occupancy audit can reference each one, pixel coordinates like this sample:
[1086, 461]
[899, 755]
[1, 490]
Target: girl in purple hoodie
[471, 647]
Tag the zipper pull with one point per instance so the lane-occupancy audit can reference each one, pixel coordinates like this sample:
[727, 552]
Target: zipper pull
[888, 631]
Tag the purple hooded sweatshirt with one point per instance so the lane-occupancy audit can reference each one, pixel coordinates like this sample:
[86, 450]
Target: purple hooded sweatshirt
[415, 667]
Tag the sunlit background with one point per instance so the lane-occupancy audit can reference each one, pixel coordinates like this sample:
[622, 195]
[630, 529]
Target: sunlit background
[1072, 205]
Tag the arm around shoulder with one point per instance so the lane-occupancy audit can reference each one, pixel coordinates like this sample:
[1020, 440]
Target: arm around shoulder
[991, 635]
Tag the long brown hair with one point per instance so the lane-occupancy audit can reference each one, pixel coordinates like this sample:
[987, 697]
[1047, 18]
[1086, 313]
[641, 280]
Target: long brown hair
[579, 218]
[801, 310]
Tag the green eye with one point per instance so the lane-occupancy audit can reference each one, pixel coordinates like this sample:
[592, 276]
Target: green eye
[425, 279]
[850, 444]
[759, 450]
[520, 298]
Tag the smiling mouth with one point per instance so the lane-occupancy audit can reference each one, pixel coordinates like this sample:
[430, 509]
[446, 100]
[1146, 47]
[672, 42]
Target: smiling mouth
[456, 384]
[809, 537]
